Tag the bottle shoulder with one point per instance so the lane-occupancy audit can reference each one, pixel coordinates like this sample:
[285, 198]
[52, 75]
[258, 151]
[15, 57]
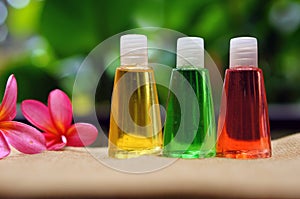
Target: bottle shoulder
[190, 69]
[135, 68]
[243, 68]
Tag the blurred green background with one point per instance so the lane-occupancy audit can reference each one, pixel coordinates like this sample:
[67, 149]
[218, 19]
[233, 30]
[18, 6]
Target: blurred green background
[43, 42]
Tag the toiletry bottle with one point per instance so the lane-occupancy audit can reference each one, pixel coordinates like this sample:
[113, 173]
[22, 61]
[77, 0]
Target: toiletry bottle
[135, 123]
[190, 124]
[243, 127]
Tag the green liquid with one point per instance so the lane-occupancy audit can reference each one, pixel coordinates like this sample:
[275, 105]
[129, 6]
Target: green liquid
[192, 134]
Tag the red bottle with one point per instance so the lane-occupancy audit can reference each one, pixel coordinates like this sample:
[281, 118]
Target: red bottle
[243, 127]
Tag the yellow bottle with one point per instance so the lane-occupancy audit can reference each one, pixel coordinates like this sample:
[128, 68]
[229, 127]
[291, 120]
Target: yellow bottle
[135, 124]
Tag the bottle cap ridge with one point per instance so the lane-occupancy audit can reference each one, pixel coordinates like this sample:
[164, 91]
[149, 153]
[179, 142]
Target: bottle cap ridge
[190, 52]
[243, 52]
[133, 50]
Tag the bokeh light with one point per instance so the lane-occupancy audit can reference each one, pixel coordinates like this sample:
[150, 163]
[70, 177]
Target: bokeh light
[3, 12]
[3, 33]
[19, 4]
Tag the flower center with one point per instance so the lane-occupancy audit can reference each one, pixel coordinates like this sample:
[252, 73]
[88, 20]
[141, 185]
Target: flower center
[64, 139]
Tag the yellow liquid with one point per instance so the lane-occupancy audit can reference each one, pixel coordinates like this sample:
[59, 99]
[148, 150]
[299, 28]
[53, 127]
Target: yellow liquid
[135, 124]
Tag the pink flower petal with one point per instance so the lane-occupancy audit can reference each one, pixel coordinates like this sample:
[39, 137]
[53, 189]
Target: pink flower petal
[60, 110]
[81, 134]
[38, 114]
[55, 142]
[8, 108]
[24, 138]
[4, 148]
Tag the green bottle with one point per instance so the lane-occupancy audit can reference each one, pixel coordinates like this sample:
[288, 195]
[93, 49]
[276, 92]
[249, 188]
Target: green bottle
[190, 130]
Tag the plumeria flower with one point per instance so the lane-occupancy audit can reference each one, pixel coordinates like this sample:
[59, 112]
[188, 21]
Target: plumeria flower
[22, 137]
[56, 122]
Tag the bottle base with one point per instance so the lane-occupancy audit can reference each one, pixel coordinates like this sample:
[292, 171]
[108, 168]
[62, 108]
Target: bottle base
[245, 154]
[125, 154]
[189, 154]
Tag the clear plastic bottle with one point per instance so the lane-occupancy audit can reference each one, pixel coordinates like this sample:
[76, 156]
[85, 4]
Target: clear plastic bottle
[135, 123]
[243, 127]
[190, 124]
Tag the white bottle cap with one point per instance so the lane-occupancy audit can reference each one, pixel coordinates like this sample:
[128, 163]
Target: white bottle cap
[133, 50]
[243, 52]
[190, 52]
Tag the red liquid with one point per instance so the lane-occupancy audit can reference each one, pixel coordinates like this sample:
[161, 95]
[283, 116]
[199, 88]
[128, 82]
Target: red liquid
[243, 127]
